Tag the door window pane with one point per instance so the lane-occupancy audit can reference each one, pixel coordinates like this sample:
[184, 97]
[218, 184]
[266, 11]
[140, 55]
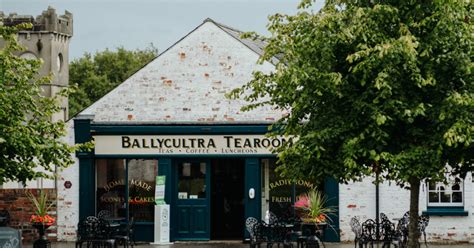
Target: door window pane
[110, 191]
[192, 180]
[141, 188]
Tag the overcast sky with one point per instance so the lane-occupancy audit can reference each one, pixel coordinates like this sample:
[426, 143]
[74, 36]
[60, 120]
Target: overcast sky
[100, 24]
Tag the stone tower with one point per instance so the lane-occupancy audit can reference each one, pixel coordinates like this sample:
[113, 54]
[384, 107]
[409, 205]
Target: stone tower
[48, 40]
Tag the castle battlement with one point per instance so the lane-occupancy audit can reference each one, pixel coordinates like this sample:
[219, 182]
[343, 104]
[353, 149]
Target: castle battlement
[48, 21]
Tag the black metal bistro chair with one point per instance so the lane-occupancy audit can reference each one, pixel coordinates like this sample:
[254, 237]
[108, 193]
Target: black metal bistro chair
[401, 232]
[104, 214]
[387, 233]
[307, 234]
[249, 223]
[368, 233]
[126, 235]
[356, 229]
[278, 233]
[258, 233]
[423, 222]
[94, 232]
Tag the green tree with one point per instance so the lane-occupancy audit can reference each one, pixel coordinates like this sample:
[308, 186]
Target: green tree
[28, 137]
[379, 86]
[96, 75]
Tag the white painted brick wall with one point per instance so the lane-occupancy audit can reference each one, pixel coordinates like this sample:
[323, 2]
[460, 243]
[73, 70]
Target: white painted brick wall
[358, 199]
[68, 199]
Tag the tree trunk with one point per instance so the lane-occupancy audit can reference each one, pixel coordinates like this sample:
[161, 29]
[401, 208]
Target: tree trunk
[413, 232]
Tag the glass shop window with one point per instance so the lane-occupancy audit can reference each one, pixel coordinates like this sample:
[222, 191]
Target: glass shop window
[279, 194]
[141, 188]
[110, 191]
[446, 195]
[112, 194]
[192, 180]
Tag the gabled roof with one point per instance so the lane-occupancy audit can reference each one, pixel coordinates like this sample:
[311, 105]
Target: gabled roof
[187, 83]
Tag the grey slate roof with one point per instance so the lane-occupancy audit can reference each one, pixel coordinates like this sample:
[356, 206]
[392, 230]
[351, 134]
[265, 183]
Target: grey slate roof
[255, 45]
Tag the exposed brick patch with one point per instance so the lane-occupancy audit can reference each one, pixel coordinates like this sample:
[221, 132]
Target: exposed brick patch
[21, 209]
[351, 206]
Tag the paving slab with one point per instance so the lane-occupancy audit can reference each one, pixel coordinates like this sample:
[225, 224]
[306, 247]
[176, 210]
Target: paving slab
[238, 244]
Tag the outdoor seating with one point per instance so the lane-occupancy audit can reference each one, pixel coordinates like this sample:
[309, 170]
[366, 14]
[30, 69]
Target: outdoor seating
[278, 233]
[387, 233]
[402, 231]
[258, 234]
[424, 220]
[283, 232]
[271, 218]
[368, 233]
[249, 223]
[104, 214]
[309, 233]
[126, 236]
[402, 228]
[312, 242]
[356, 229]
[372, 232]
[94, 232]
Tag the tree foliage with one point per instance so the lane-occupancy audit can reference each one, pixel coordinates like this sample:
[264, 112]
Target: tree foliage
[372, 85]
[28, 138]
[98, 74]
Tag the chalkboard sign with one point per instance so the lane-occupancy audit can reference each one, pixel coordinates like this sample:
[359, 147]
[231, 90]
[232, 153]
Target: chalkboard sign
[10, 238]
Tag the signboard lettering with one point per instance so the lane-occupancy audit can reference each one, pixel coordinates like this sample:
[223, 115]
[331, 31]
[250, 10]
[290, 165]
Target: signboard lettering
[186, 144]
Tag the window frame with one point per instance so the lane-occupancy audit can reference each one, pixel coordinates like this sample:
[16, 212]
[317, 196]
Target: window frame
[450, 184]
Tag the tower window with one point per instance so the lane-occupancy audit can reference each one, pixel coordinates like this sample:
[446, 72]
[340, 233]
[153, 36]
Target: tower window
[59, 62]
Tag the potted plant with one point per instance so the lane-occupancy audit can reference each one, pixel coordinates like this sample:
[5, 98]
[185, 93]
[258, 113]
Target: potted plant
[41, 220]
[311, 207]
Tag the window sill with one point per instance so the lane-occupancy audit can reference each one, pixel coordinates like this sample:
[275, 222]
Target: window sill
[446, 211]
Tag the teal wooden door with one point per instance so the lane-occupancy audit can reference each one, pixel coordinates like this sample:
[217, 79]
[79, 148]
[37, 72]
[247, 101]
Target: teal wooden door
[192, 197]
[252, 182]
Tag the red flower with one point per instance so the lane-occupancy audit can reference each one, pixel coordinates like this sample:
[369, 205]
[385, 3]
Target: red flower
[36, 219]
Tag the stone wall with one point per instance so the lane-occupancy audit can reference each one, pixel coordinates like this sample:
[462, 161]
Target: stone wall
[21, 209]
[358, 199]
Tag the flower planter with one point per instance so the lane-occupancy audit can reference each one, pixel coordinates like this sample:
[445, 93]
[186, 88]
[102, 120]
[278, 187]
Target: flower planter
[42, 241]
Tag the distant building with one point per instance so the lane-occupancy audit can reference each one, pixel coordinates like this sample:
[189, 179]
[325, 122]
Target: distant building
[48, 40]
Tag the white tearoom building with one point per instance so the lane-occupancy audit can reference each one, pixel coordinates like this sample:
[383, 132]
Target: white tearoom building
[171, 118]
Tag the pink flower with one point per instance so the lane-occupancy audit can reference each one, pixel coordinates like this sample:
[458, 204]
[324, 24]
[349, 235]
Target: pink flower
[303, 202]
